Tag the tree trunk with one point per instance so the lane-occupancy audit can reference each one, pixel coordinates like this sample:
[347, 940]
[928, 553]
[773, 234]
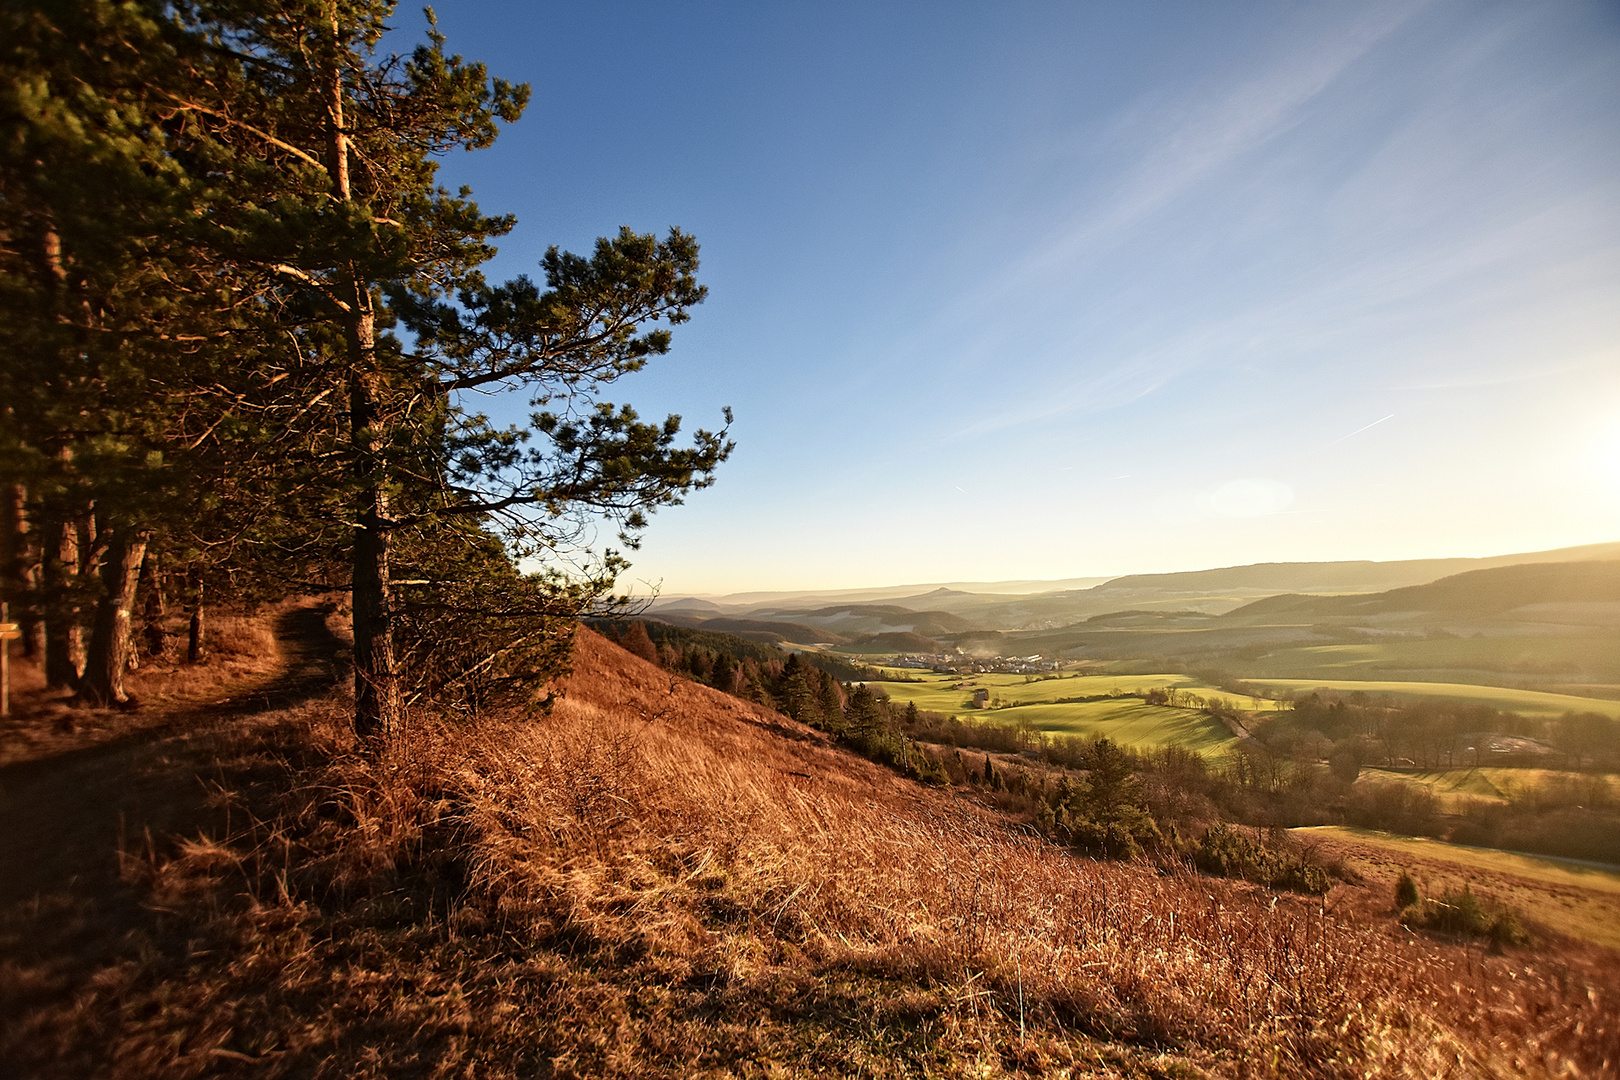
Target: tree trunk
[103, 682]
[378, 705]
[64, 641]
[155, 611]
[194, 634]
[378, 709]
[19, 585]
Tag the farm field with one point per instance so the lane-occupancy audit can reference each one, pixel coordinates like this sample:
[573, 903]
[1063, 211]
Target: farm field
[1535, 657]
[1017, 690]
[1496, 784]
[1529, 702]
[1125, 720]
[1577, 899]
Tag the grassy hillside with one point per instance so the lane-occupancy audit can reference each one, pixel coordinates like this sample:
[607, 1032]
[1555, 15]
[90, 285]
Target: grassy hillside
[659, 880]
[1496, 784]
[1470, 595]
[1127, 722]
[1565, 897]
[1528, 702]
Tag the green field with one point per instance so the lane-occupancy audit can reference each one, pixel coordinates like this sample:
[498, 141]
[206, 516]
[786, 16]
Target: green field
[1502, 658]
[1528, 702]
[1573, 898]
[1496, 784]
[1045, 689]
[1126, 720]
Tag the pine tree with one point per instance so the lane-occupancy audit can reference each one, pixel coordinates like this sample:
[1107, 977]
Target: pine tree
[115, 315]
[1106, 812]
[725, 673]
[794, 694]
[300, 190]
[863, 718]
[637, 642]
[830, 700]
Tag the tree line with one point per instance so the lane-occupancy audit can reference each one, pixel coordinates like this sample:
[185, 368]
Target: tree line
[1352, 732]
[244, 328]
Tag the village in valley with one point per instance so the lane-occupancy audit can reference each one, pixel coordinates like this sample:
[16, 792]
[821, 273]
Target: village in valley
[960, 663]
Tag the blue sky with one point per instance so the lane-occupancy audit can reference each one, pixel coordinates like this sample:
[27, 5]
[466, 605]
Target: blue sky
[1025, 290]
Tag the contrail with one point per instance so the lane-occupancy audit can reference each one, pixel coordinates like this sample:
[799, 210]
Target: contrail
[1359, 430]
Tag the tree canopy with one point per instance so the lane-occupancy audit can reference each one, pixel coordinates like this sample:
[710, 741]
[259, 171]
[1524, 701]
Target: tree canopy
[243, 321]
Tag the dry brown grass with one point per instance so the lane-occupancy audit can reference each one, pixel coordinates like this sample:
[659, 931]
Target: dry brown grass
[658, 880]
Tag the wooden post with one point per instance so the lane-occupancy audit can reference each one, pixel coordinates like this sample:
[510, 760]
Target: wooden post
[8, 630]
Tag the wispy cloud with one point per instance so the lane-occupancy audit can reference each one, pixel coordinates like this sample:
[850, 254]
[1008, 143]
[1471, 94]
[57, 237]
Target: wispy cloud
[1366, 427]
[1169, 147]
[1178, 144]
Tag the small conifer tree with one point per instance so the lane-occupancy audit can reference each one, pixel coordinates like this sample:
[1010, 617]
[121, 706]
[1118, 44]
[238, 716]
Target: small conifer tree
[1406, 892]
[724, 675]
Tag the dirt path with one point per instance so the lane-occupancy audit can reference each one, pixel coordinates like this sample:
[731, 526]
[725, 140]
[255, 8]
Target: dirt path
[65, 819]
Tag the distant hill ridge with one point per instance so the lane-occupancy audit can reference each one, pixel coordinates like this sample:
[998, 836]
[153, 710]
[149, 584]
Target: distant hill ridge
[755, 629]
[1493, 591]
[949, 610]
[1351, 576]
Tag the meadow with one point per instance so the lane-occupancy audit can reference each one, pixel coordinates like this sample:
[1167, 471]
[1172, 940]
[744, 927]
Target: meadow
[1507, 699]
[1542, 658]
[1039, 705]
[1494, 784]
[1562, 895]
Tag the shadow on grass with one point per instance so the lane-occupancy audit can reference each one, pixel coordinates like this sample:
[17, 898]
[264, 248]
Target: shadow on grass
[70, 820]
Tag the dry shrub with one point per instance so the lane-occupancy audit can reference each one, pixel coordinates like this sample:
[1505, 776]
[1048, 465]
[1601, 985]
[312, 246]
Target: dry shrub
[659, 880]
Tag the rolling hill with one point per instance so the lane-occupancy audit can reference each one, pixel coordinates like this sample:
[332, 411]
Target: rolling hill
[1533, 591]
[763, 630]
[1546, 626]
[1024, 606]
[855, 619]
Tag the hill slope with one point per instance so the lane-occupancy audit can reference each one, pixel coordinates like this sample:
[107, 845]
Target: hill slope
[1497, 591]
[659, 880]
